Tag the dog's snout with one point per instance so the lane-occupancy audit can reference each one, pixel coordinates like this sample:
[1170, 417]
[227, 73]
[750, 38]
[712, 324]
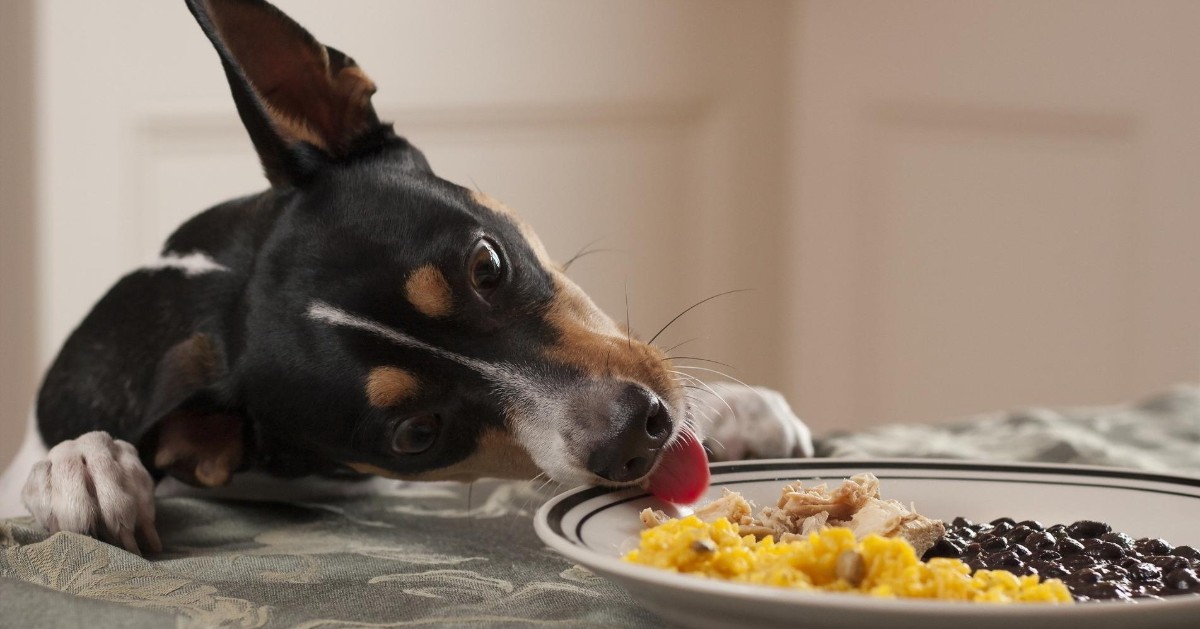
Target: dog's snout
[641, 425]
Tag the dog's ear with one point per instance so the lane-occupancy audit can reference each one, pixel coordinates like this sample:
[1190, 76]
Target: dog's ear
[303, 103]
[187, 433]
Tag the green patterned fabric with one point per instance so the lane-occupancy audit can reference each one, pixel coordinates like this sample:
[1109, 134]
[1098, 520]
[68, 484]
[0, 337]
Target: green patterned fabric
[414, 555]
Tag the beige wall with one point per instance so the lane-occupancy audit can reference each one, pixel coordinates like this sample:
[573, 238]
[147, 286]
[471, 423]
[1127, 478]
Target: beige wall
[18, 323]
[993, 206]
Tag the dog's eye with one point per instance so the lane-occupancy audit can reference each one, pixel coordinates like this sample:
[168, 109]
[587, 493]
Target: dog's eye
[416, 434]
[485, 268]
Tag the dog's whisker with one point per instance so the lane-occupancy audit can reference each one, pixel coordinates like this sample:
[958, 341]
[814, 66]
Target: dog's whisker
[680, 344]
[719, 373]
[705, 414]
[584, 251]
[707, 360]
[535, 491]
[583, 254]
[690, 308]
[708, 388]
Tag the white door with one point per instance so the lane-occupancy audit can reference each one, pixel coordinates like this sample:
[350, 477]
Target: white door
[652, 128]
[998, 205]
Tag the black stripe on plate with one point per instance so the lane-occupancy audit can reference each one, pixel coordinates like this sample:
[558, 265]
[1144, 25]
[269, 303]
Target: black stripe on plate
[558, 511]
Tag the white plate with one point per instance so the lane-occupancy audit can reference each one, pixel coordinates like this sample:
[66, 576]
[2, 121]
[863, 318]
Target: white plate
[594, 526]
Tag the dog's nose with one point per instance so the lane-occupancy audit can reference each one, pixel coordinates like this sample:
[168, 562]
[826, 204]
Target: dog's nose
[642, 425]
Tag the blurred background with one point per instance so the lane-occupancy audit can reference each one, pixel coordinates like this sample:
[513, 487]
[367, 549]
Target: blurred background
[940, 207]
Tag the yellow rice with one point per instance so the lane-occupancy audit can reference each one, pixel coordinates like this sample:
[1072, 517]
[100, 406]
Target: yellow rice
[889, 566]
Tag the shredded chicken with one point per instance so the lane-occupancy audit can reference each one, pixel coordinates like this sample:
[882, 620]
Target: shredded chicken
[855, 504]
[731, 506]
[652, 517]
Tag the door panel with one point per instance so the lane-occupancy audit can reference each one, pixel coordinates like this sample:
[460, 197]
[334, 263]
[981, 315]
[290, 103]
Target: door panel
[996, 206]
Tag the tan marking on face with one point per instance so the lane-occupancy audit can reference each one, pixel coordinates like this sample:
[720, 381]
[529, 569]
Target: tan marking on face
[498, 455]
[592, 342]
[589, 339]
[428, 290]
[374, 470]
[389, 386]
[527, 232]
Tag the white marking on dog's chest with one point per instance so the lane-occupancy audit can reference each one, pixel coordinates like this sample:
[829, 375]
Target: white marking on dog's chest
[192, 264]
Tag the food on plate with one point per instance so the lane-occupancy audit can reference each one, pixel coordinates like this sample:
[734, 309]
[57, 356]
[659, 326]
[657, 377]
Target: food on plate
[1093, 561]
[855, 504]
[831, 559]
[844, 539]
[849, 539]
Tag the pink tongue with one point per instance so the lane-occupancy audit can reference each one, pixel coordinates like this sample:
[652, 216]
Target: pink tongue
[682, 474]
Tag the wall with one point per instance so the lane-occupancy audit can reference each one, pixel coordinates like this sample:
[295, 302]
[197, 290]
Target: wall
[18, 295]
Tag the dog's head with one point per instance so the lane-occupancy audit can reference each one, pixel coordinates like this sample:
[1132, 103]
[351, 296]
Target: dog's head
[402, 325]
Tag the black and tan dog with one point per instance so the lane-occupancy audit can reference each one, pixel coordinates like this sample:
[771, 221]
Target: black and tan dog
[363, 316]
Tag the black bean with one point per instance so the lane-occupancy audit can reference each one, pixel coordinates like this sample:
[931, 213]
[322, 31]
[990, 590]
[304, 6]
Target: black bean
[1057, 530]
[1068, 546]
[1048, 555]
[1106, 550]
[1104, 591]
[1075, 562]
[1050, 569]
[1168, 562]
[1186, 552]
[1019, 532]
[1142, 571]
[1113, 573]
[1088, 528]
[1152, 546]
[944, 547]
[1003, 559]
[1087, 575]
[1182, 579]
[1040, 540]
[1120, 539]
[1093, 560]
[993, 543]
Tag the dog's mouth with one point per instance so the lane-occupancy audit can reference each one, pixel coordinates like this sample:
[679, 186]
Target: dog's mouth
[681, 475]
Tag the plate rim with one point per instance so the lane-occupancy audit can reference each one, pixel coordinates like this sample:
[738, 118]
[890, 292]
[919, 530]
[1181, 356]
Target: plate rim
[554, 537]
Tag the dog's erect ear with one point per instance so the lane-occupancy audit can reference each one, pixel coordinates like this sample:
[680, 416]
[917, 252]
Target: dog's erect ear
[187, 434]
[303, 103]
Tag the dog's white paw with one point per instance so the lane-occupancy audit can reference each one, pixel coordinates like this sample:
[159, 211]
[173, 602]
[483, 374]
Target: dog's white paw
[752, 423]
[94, 485]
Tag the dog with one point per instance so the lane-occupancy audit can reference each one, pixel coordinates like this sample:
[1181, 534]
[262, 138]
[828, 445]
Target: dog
[362, 317]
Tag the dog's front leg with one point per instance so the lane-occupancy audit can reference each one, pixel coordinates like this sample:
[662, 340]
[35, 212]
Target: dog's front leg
[751, 423]
[94, 485]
